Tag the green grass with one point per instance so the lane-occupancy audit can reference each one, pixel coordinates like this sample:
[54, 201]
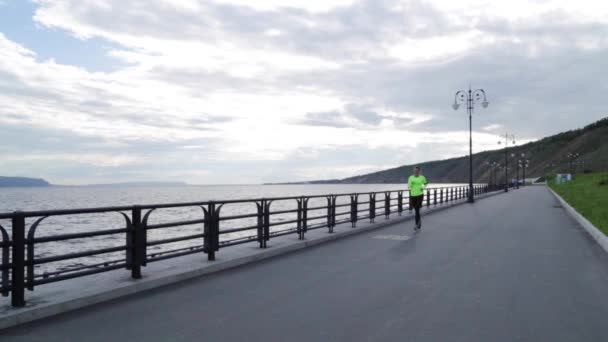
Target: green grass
[588, 194]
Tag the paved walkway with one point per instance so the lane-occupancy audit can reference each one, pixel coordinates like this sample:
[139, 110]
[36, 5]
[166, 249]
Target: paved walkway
[507, 268]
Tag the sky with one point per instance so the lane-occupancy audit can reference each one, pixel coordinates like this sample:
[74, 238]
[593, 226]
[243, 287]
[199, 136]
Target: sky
[241, 91]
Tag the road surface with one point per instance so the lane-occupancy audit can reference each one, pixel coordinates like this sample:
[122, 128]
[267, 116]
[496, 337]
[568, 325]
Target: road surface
[512, 267]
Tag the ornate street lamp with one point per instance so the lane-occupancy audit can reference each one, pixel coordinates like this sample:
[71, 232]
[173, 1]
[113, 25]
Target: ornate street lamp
[508, 138]
[470, 97]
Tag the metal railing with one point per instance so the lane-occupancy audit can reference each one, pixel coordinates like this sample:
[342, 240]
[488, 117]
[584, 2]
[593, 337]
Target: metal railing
[20, 261]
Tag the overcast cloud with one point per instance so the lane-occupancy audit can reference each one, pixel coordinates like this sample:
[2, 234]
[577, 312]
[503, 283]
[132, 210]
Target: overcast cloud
[239, 91]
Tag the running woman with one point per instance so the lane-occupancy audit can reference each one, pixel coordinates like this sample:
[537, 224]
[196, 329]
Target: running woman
[417, 182]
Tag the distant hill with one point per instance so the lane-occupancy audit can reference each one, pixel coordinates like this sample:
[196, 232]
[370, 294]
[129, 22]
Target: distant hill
[38, 182]
[22, 181]
[546, 156]
[136, 184]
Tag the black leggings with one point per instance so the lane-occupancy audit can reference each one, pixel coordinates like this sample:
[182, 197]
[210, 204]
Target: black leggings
[416, 203]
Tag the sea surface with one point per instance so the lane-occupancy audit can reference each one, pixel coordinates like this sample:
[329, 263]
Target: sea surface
[60, 197]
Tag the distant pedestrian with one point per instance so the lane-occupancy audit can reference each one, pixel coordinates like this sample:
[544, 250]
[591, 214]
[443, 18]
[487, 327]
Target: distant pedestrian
[416, 183]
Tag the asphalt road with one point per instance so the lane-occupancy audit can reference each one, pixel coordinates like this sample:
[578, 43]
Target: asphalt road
[508, 268]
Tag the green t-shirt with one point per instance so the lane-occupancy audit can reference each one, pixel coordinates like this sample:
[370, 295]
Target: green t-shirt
[416, 185]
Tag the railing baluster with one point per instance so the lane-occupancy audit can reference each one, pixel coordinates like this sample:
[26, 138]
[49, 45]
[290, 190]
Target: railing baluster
[428, 198]
[435, 197]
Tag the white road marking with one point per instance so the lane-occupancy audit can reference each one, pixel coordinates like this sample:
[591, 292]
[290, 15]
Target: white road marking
[392, 237]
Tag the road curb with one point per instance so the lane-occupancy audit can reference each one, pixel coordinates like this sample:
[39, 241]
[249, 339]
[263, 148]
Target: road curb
[597, 234]
[16, 316]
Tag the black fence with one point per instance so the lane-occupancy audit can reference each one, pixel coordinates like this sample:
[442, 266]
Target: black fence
[134, 244]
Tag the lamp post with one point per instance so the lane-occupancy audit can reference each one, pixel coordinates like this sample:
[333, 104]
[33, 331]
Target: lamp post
[470, 97]
[508, 138]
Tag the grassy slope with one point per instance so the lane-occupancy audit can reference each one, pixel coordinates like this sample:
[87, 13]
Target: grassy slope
[588, 194]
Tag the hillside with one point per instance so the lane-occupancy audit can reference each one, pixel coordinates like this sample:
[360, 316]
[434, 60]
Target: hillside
[22, 181]
[547, 155]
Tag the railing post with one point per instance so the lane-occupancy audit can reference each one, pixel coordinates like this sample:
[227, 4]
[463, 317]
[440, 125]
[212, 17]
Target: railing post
[304, 216]
[354, 203]
[372, 207]
[18, 260]
[435, 197]
[211, 241]
[331, 213]
[5, 261]
[387, 204]
[260, 228]
[299, 228]
[266, 222]
[135, 246]
[441, 196]
[400, 202]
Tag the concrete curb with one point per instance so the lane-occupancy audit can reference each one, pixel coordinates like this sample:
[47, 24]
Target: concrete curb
[597, 234]
[38, 309]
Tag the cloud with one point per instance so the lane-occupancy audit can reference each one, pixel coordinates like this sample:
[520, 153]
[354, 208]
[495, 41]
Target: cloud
[264, 84]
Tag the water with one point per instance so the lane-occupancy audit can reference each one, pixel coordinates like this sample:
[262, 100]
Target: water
[50, 198]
